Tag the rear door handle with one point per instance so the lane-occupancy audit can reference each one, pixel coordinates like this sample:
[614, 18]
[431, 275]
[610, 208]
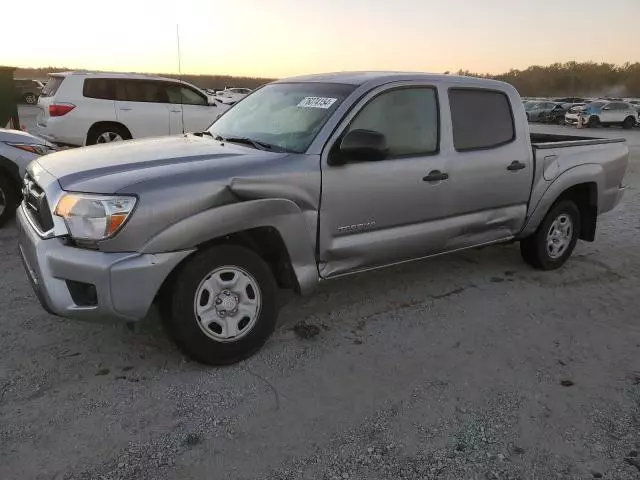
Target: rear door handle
[125, 109]
[516, 165]
[435, 176]
[175, 111]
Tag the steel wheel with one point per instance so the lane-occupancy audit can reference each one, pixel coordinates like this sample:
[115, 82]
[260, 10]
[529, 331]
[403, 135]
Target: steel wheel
[227, 304]
[559, 236]
[108, 137]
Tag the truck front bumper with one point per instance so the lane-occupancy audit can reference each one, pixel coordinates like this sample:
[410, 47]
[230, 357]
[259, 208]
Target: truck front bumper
[90, 285]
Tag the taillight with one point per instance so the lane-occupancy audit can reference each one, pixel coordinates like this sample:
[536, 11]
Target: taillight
[60, 109]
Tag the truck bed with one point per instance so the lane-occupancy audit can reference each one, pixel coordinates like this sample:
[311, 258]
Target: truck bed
[549, 140]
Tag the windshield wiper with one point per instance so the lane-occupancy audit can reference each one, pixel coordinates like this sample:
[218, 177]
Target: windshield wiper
[257, 144]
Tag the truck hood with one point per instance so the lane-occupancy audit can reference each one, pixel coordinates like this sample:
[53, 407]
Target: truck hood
[113, 167]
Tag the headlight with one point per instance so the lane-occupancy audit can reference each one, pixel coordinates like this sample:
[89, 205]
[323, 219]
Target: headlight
[33, 148]
[94, 217]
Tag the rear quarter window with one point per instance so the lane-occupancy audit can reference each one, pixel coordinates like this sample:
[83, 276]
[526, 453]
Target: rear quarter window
[52, 86]
[101, 88]
[481, 119]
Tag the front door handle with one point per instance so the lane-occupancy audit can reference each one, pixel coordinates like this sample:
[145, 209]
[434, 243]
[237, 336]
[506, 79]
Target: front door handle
[175, 111]
[516, 165]
[435, 176]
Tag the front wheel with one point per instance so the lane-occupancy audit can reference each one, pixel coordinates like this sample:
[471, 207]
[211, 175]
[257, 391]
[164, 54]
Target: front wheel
[628, 123]
[223, 305]
[552, 244]
[594, 121]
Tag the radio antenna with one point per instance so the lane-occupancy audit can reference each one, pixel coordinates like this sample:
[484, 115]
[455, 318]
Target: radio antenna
[180, 76]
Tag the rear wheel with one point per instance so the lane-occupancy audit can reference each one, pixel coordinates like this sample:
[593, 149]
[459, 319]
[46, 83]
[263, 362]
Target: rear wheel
[223, 305]
[552, 244]
[108, 134]
[628, 123]
[30, 98]
[9, 199]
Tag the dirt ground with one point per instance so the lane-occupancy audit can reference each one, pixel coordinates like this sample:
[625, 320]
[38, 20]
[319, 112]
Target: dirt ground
[472, 366]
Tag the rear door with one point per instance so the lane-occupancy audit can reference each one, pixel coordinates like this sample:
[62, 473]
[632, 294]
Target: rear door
[490, 170]
[196, 111]
[143, 107]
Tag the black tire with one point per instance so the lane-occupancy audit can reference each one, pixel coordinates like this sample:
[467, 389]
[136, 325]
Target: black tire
[30, 98]
[594, 121]
[559, 121]
[628, 123]
[95, 133]
[182, 323]
[9, 199]
[534, 248]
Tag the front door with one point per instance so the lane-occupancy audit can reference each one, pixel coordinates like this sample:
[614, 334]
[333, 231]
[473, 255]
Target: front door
[490, 170]
[375, 213]
[194, 107]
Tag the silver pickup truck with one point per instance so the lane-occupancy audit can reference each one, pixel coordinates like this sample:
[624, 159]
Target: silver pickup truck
[305, 180]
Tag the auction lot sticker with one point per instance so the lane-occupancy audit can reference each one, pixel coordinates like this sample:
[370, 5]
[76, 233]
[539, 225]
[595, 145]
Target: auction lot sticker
[316, 102]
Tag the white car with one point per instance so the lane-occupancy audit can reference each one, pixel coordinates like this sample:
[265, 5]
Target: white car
[606, 113]
[83, 108]
[230, 96]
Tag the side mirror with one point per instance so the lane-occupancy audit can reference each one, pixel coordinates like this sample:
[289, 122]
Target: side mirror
[363, 146]
[606, 108]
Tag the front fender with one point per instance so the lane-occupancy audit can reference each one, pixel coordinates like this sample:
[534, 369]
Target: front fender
[544, 196]
[283, 215]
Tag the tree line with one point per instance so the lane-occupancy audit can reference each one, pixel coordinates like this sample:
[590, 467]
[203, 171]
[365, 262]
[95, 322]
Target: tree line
[575, 79]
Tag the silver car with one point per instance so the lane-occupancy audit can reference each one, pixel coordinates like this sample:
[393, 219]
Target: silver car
[17, 150]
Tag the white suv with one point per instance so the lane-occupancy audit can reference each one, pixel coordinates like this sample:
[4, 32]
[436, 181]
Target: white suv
[80, 108]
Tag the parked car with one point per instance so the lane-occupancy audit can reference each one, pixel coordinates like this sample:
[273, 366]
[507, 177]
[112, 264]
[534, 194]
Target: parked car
[307, 179]
[79, 108]
[17, 150]
[570, 100]
[573, 113]
[230, 96]
[27, 90]
[546, 112]
[607, 113]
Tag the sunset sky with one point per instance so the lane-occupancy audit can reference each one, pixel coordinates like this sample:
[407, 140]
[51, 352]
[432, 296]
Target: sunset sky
[276, 38]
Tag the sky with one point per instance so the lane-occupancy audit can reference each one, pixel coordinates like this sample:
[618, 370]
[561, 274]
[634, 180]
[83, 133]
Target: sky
[279, 38]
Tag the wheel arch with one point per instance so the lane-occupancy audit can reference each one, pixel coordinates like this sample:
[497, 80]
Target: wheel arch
[97, 126]
[276, 229]
[582, 185]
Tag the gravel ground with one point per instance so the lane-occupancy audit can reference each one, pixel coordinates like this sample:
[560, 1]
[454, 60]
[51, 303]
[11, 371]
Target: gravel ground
[471, 366]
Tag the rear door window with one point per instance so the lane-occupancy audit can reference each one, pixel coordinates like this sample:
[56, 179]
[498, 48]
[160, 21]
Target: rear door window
[148, 91]
[102, 88]
[481, 119]
[52, 86]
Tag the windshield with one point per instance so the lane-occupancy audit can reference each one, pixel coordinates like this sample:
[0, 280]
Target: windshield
[531, 105]
[286, 115]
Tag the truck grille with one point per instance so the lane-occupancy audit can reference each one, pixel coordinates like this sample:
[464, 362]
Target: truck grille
[36, 205]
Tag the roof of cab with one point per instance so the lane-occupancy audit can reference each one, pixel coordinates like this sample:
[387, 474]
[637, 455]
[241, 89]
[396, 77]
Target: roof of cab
[361, 78]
